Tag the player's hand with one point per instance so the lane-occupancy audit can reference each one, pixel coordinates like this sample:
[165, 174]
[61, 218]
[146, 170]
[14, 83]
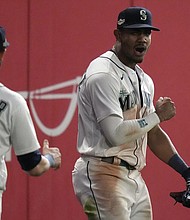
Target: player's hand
[130, 113]
[165, 108]
[54, 152]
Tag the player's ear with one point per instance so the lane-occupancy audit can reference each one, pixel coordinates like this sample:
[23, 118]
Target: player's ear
[117, 35]
[1, 56]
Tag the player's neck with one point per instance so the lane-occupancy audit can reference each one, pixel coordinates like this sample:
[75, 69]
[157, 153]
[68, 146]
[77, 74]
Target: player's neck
[123, 59]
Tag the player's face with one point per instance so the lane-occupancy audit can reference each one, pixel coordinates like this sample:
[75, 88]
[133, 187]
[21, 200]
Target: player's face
[134, 44]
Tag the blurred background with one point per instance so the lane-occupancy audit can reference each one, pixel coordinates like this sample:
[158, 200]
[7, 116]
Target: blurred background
[51, 44]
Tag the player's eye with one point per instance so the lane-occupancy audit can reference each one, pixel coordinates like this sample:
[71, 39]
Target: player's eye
[147, 32]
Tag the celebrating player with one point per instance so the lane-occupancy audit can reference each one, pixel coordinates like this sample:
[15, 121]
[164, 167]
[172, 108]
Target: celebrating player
[17, 130]
[117, 120]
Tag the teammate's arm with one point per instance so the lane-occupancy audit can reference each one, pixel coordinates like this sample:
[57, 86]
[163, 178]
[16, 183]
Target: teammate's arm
[35, 164]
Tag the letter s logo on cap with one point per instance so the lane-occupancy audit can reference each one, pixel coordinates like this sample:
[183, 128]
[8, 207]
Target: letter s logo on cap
[143, 15]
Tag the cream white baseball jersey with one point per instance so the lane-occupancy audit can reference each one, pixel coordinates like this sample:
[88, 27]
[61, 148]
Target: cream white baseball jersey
[117, 92]
[16, 128]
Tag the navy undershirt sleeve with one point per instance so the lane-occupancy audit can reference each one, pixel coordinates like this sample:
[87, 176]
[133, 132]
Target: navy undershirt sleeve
[30, 160]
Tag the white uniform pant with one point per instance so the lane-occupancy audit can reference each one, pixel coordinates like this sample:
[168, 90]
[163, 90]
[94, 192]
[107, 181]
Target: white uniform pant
[110, 192]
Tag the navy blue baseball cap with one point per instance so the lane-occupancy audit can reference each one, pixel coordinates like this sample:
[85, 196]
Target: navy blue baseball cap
[3, 41]
[135, 17]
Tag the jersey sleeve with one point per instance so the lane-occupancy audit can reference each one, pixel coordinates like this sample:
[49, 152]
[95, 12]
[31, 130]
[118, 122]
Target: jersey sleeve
[23, 136]
[104, 94]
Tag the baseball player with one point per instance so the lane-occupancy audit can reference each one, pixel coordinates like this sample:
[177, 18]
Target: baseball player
[116, 122]
[17, 130]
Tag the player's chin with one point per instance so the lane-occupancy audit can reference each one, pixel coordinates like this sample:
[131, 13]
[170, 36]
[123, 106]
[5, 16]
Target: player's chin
[139, 59]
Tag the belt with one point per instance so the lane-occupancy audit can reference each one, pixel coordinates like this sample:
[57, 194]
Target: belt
[117, 161]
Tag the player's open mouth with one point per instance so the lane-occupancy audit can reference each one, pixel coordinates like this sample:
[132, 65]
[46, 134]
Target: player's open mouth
[140, 50]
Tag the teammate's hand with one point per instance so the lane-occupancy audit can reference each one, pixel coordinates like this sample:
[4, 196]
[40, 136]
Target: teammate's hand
[54, 152]
[165, 108]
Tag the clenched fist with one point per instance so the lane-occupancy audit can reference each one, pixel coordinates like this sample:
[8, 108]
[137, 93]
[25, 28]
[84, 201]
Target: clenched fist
[165, 108]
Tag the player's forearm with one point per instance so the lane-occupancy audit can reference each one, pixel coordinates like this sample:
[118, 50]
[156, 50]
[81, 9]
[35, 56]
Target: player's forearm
[160, 144]
[120, 132]
[41, 168]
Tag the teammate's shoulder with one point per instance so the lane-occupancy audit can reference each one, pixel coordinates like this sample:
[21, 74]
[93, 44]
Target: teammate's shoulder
[11, 95]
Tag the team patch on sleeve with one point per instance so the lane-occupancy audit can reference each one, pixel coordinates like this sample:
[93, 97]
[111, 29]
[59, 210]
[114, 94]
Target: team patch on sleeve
[142, 123]
[3, 105]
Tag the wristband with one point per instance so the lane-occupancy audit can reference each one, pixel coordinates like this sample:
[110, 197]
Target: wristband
[51, 160]
[178, 164]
